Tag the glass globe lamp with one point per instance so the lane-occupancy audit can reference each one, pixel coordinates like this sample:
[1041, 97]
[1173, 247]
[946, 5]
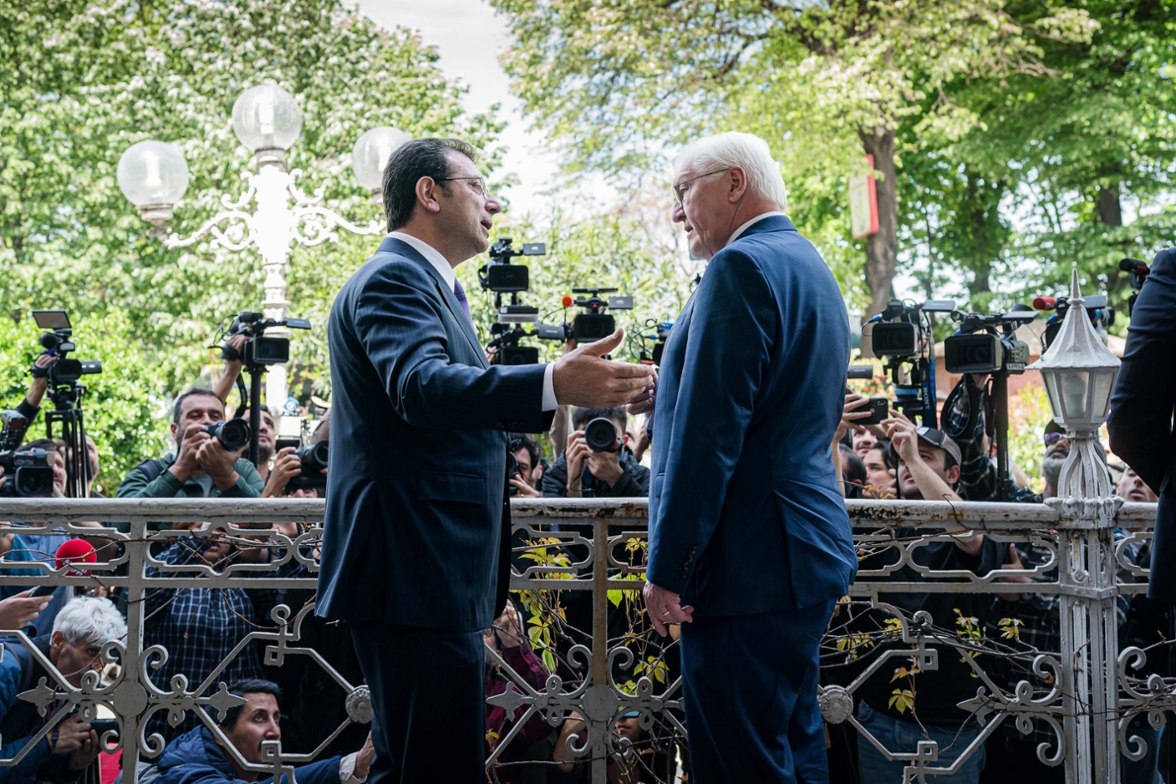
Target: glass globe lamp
[267, 120]
[153, 176]
[371, 153]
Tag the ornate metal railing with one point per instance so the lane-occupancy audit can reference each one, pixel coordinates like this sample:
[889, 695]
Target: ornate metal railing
[579, 564]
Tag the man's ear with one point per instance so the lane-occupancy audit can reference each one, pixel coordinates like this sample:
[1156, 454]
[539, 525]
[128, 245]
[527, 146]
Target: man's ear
[736, 183]
[426, 194]
[953, 476]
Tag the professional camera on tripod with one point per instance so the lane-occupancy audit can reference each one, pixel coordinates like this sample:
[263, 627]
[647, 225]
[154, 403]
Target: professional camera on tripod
[260, 350]
[1101, 315]
[987, 345]
[902, 335]
[500, 276]
[590, 324]
[66, 393]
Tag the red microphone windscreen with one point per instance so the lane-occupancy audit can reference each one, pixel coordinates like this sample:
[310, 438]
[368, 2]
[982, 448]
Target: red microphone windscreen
[74, 551]
[567, 301]
[1044, 303]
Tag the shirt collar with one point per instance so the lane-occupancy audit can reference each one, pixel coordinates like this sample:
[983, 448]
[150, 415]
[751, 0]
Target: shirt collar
[431, 254]
[739, 231]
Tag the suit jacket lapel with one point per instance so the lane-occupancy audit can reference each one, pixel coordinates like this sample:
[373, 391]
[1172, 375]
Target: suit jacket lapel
[390, 245]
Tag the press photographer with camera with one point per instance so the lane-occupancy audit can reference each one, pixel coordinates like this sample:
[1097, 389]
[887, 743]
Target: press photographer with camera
[525, 452]
[206, 462]
[597, 462]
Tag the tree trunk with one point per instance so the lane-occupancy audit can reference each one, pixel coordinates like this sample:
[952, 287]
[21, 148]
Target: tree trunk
[1110, 211]
[882, 245]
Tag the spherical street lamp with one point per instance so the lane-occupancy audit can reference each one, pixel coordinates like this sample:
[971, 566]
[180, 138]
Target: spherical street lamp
[153, 176]
[267, 120]
[371, 154]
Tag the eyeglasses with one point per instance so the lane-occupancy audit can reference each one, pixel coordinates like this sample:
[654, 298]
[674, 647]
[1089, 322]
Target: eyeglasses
[480, 180]
[1053, 438]
[680, 187]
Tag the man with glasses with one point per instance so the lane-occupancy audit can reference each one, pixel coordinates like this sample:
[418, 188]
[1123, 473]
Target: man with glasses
[749, 541]
[416, 546]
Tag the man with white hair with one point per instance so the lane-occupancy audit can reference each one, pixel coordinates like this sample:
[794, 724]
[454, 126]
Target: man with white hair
[80, 631]
[749, 541]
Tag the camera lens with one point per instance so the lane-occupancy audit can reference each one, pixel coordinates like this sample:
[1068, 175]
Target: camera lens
[233, 434]
[314, 456]
[601, 435]
[34, 481]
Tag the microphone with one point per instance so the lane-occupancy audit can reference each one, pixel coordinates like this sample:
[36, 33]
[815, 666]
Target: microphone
[1134, 266]
[567, 301]
[70, 552]
[1044, 303]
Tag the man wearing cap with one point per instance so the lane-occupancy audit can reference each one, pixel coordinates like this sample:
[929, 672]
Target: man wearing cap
[899, 707]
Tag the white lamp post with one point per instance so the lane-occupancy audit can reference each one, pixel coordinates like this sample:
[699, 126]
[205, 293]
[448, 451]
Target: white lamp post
[1079, 374]
[266, 119]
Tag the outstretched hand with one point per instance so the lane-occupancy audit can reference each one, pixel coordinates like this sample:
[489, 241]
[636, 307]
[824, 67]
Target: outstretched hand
[664, 608]
[584, 378]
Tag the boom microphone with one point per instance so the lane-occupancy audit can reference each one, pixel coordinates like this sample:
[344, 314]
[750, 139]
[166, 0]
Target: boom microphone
[71, 551]
[1044, 303]
[1134, 266]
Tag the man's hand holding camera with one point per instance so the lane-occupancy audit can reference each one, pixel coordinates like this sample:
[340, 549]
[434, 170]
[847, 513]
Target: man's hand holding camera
[200, 453]
[287, 465]
[75, 737]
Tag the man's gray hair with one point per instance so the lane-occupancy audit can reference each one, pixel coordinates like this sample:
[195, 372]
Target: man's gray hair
[91, 619]
[745, 150]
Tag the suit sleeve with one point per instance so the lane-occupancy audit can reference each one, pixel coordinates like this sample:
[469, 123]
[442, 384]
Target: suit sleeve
[1142, 405]
[400, 325]
[730, 339]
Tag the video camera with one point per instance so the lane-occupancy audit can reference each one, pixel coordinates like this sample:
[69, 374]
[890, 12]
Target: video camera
[660, 336]
[13, 428]
[259, 350]
[1137, 272]
[902, 335]
[27, 473]
[1101, 315]
[986, 344]
[500, 276]
[57, 341]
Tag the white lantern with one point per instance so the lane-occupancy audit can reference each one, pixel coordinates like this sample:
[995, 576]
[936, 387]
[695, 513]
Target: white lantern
[153, 176]
[1079, 374]
[267, 120]
[371, 154]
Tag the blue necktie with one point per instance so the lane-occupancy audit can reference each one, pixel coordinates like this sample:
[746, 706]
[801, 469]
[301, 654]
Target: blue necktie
[459, 292]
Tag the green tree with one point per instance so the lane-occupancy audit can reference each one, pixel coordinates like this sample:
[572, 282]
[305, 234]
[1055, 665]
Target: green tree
[824, 82]
[82, 81]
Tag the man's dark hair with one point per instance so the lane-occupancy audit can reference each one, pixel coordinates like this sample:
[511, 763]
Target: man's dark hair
[48, 444]
[229, 717]
[854, 477]
[413, 160]
[191, 393]
[522, 441]
[582, 416]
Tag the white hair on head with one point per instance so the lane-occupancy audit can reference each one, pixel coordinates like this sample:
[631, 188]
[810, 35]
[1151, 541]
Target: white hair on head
[745, 150]
[91, 619]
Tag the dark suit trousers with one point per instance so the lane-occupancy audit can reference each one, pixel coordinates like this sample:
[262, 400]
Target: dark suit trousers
[750, 687]
[429, 702]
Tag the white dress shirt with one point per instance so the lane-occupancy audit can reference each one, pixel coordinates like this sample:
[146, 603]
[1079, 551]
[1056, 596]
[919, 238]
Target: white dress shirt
[442, 266]
[745, 226]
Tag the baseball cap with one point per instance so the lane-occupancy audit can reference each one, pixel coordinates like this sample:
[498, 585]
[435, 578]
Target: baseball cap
[941, 440]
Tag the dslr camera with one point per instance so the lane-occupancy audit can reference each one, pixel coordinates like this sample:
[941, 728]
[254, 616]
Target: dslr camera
[601, 435]
[986, 344]
[313, 459]
[259, 349]
[233, 434]
[27, 473]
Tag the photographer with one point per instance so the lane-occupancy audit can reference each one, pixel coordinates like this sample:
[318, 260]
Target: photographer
[526, 454]
[582, 472]
[74, 649]
[201, 467]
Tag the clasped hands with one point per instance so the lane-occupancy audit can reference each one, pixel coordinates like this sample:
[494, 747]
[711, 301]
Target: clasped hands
[584, 378]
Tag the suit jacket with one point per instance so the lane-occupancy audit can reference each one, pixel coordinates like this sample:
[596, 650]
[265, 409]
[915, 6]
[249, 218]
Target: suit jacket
[1141, 411]
[416, 514]
[745, 514]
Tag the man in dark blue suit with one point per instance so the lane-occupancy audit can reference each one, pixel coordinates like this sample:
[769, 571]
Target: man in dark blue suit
[749, 541]
[415, 550]
[1141, 411]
